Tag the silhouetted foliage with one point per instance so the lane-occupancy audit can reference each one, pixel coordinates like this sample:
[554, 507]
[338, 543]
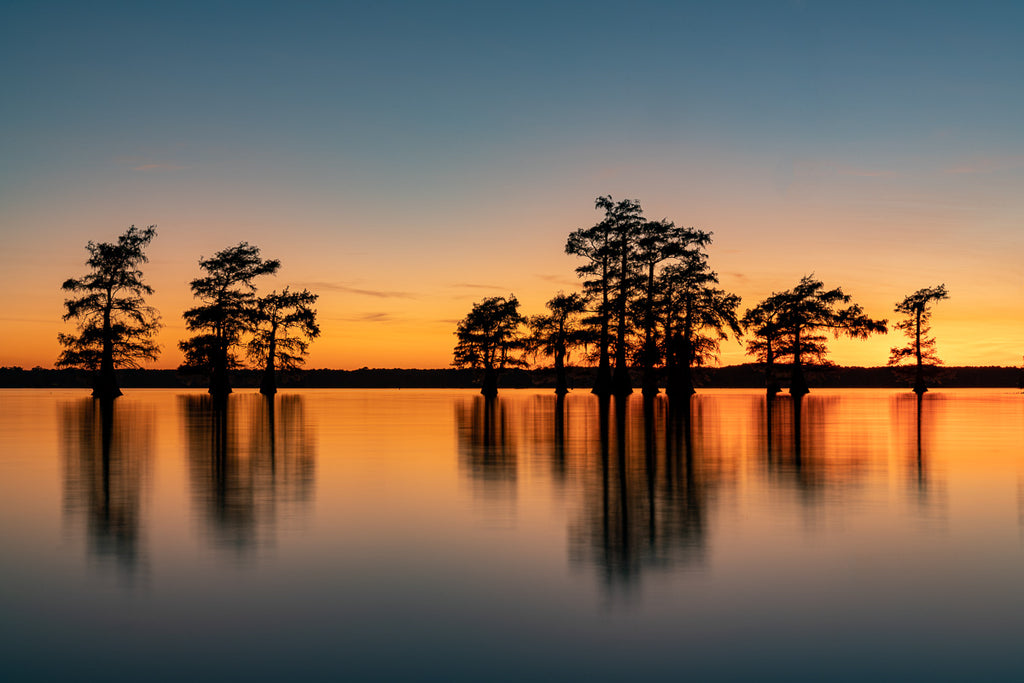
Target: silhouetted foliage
[767, 339]
[915, 325]
[808, 310]
[284, 324]
[696, 316]
[625, 219]
[228, 310]
[595, 245]
[556, 333]
[658, 241]
[489, 339]
[115, 325]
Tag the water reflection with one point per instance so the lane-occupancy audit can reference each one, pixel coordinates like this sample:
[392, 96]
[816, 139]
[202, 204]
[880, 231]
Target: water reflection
[106, 451]
[644, 491]
[251, 461]
[913, 418]
[650, 473]
[811, 447]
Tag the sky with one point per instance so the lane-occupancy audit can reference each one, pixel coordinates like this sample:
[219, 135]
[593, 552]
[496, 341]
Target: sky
[404, 160]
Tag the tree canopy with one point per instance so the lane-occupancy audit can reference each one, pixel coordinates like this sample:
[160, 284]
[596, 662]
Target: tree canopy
[284, 323]
[116, 327]
[556, 333]
[808, 310]
[489, 339]
[227, 310]
[916, 325]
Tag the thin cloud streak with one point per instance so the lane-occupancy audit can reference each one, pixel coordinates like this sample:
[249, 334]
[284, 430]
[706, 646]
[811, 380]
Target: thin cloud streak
[471, 285]
[348, 289]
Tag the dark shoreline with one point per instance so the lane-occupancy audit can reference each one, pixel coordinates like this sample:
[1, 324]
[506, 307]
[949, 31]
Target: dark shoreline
[733, 376]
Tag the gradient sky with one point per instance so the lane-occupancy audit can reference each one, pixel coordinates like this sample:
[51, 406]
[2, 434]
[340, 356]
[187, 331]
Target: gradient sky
[404, 160]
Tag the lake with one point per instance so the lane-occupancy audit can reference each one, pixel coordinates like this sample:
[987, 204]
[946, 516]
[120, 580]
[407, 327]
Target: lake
[411, 535]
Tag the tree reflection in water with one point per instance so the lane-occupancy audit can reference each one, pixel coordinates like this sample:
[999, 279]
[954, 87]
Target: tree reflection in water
[488, 454]
[644, 492]
[106, 449]
[810, 447]
[251, 460]
[642, 488]
[913, 417]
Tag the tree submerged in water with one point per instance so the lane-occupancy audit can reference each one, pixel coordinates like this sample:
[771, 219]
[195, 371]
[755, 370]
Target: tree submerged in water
[115, 325]
[916, 326]
[227, 311]
[807, 311]
[283, 325]
[489, 339]
[555, 334]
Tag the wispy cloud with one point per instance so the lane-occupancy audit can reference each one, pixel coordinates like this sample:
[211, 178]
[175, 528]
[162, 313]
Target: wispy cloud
[158, 167]
[559, 280]
[473, 285]
[349, 289]
[375, 317]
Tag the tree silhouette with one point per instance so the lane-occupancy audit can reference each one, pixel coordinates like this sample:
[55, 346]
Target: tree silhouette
[915, 325]
[625, 218]
[657, 242]
[488, 339]
[556, 333]
[595, 245]
[284, 324]
[115, 325]
[696, 317]
[808, 310]
[767, 340]
[227, 311]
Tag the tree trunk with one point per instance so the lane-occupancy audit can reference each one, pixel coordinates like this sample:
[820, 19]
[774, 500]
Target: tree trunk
[919, 386]
[268, 385]
[771, 384]
[603, 381]
[490, 385]
[106, 381]
[220, 383]
[686, 387]
[561, 385]
[798, 385]
[622, 385]
[650, 378]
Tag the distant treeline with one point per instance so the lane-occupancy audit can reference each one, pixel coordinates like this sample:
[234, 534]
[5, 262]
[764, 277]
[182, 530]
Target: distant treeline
[748, 375]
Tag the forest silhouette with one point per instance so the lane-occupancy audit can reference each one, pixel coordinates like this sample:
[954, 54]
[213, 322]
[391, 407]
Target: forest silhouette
[649, 307]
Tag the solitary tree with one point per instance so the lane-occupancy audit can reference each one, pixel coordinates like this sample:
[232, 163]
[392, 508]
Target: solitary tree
[808, 310]
[284, 323]
[557, 332]
[915, 325]
[489, 339]
[227, 310]
[115, 325]
[766, 338]
[697, 316]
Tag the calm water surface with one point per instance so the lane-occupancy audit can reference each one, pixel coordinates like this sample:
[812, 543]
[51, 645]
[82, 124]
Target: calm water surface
[432, 535]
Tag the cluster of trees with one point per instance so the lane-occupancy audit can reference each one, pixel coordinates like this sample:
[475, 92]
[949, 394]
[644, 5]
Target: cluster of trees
[651, 301]
[230, 324]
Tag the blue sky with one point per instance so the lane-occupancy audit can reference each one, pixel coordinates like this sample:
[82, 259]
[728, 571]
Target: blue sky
[390, 146]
